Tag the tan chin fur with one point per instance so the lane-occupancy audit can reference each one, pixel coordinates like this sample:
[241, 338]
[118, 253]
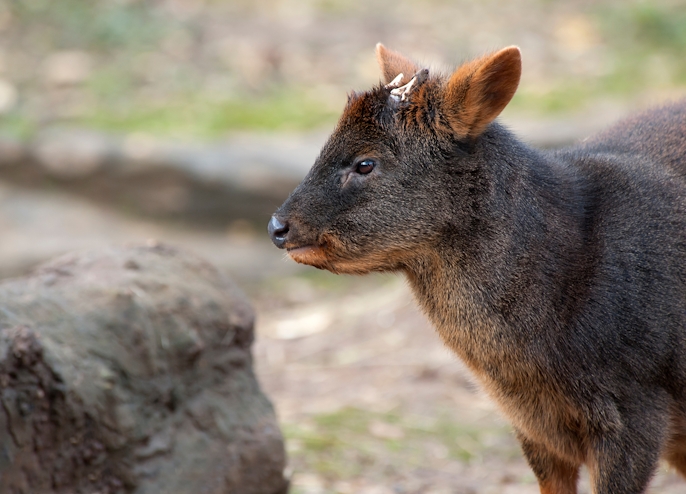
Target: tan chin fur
[318, 258]
[311, 255]
[333, 255]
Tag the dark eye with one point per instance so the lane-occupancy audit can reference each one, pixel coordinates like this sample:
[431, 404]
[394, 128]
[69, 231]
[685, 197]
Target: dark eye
[365, 166]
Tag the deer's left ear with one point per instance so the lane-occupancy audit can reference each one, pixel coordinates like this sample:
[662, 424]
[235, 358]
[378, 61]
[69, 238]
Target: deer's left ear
[393, 63]
[479, 90]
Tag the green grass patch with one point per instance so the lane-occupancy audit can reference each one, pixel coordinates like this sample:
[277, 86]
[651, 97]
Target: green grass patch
[639, 33]
[95, 24]
[195, 117]
[17, 126]
[643, 45]
[562, 99]
[346, 444]
[644, 25]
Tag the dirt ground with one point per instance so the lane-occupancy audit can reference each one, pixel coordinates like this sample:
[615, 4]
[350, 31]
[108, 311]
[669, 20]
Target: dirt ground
[370, 400]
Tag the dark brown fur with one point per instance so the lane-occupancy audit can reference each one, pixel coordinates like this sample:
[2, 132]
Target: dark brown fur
[558, 277]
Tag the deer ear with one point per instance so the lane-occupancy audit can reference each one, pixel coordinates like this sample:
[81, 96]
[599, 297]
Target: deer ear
[393, 63]
[479, 90]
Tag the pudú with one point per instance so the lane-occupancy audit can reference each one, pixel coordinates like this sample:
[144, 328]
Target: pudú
[559, 277]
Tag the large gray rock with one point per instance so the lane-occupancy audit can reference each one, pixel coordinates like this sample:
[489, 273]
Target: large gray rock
[129, 371]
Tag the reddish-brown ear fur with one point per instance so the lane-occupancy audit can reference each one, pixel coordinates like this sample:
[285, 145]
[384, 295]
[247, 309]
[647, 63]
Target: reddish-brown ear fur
[393, 63]
[479, 90]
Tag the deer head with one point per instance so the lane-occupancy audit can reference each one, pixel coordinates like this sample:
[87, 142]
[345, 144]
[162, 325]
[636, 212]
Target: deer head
[404, 165]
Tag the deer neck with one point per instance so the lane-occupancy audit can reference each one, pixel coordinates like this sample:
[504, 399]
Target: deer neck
[491, 302]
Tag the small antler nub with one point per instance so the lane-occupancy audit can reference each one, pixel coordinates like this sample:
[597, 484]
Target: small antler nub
[395, 82]
[401, 93]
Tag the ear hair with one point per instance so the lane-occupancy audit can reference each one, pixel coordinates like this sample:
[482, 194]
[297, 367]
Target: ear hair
[393, 63]
[479, 90]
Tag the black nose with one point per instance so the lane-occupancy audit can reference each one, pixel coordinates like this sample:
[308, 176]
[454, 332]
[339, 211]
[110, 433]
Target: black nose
[278, 231]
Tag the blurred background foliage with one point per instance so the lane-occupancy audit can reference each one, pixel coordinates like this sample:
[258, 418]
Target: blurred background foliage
[367, 396]
[201, 68]
[346, 390]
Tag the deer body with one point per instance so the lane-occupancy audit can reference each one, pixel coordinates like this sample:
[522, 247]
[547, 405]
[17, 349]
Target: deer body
[555, 322]
[558, 277]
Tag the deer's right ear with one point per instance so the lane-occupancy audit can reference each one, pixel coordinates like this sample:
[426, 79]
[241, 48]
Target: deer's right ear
[479, 90]
[393, 63]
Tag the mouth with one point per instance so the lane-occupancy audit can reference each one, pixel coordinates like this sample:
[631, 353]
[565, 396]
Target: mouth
[312, 255]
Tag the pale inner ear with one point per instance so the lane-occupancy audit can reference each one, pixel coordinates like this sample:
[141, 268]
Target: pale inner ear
[478, 91]
[393, 63]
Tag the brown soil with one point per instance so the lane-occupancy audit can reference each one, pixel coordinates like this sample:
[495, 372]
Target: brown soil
[372, 402]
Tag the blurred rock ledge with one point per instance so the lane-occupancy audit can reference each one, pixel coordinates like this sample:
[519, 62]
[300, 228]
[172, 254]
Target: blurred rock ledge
[39, 224]
[244, 177]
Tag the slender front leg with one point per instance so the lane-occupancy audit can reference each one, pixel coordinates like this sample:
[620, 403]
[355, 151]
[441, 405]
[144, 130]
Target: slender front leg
[624, 460]
[617, 468]
[675, 450]
[554, 475]
[677, 460]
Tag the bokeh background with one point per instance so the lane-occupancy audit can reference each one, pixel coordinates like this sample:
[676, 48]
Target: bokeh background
[188, 121]
[202, 68]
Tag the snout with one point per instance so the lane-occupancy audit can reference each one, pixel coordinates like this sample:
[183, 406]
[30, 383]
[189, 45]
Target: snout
[278, 231]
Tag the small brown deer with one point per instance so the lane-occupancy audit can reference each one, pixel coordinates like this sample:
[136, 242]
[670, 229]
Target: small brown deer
[559, 277]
